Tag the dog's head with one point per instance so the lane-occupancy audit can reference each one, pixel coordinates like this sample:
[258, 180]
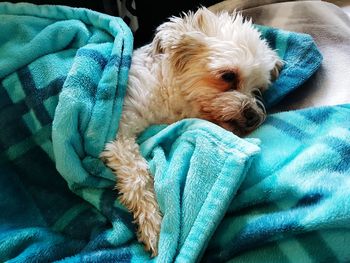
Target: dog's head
[220, 64]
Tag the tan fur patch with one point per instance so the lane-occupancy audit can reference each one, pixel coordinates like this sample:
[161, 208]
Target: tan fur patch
[186, 52]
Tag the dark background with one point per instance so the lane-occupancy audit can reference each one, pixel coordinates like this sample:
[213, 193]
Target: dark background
[150, 14]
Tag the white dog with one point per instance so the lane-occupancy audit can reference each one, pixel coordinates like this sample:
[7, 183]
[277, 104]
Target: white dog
[202, 65]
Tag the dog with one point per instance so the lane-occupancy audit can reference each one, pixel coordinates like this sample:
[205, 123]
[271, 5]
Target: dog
[201, 65]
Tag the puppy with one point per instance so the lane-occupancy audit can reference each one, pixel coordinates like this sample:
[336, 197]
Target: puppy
[202, 65]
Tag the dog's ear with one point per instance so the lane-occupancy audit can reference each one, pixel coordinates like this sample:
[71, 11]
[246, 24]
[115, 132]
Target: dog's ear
[167, 34]
[189, 48]
[183, 38]
[181, 48]
[171, 33]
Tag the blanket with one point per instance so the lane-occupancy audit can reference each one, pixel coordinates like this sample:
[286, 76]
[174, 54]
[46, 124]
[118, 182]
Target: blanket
[294, 203]
[63, 75]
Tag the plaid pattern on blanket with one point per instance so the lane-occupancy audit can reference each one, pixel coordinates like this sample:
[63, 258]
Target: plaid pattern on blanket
[45, 52]
[293, 205]
[27, 110]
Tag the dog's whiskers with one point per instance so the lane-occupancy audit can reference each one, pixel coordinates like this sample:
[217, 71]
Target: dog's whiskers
[261, 105]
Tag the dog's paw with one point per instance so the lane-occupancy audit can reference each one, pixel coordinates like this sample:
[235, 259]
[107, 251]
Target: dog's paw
[149, 230]
[135, 186]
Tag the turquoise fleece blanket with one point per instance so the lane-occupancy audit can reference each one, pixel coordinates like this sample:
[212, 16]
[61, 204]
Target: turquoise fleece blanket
[294, 203]
[63, 75]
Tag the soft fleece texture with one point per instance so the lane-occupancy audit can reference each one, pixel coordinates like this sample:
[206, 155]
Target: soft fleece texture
[63, 75]
[294, 204]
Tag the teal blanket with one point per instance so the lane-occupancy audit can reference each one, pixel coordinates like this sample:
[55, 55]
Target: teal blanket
[294, 203]
[63, 75]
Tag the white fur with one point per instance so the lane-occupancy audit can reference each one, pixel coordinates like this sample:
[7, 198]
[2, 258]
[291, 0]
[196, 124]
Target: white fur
[180, 75]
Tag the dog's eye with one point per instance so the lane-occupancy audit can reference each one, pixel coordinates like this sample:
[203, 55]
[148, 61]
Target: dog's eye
[228, 77]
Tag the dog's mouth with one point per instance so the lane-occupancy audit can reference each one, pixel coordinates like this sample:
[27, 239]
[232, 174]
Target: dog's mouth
[250, 120]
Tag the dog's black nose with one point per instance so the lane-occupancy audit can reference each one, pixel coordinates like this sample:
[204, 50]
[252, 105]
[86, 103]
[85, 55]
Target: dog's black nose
[252, 118]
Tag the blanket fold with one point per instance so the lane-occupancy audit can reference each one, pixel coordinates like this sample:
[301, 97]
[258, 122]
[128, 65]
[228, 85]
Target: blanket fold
[197, 167]
[63, 75]
[301, 59]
